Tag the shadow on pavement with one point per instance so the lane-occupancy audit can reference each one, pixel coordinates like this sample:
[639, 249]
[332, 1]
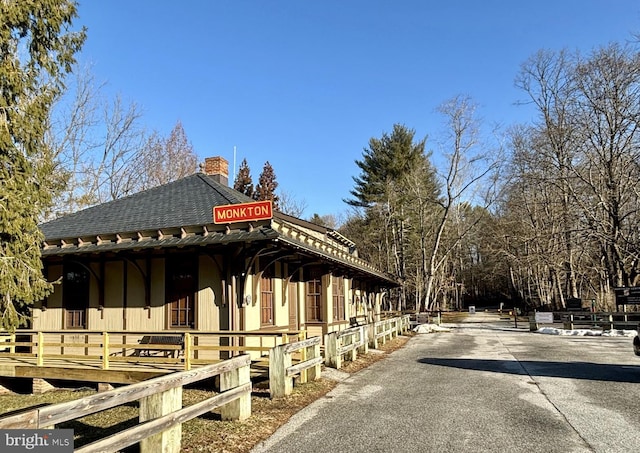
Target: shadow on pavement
[571, 370]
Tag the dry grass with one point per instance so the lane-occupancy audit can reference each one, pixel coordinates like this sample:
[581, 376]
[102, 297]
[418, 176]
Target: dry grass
[206, 433]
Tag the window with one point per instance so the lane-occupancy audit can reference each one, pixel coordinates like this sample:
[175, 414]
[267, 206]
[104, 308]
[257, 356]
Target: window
[314, 297]
[266, 299]
[337, 289]
[181, 286]
[75, 295]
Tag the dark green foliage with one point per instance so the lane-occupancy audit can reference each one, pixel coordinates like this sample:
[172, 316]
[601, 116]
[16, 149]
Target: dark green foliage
[243, 182]
[36, 52]
[386, 161]
[267, 184]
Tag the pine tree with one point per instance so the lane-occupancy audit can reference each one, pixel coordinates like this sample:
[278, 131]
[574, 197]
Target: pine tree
[243, 182]
[37, 52]
[386, 162]
[267, 184]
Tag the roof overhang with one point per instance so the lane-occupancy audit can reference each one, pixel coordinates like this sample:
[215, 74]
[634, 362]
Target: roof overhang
[300, 240]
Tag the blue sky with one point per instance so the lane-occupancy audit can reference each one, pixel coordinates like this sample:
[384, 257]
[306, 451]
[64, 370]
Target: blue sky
[306, 84]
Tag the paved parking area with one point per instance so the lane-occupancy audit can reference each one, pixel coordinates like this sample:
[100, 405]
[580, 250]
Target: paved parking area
[483, 387]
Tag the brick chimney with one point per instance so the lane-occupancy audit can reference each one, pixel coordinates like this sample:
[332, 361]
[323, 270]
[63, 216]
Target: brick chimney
[218, 168]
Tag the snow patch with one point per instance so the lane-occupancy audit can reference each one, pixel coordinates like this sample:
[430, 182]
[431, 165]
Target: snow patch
[587, 332]
[430, 328]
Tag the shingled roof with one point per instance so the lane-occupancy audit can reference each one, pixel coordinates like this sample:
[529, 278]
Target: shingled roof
[185, 202]
[149, 219]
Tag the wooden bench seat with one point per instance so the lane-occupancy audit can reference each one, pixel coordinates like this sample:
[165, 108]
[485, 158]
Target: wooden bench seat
[156, 345]
[357, 321]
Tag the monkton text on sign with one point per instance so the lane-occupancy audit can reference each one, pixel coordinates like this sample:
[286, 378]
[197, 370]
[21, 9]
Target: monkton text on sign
[243, 212]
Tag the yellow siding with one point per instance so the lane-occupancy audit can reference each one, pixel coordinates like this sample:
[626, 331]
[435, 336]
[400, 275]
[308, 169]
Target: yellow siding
[327, 293]
[280, 306]
[140, 317]
[51, 318]
[209, 295]
[252, 309]
[315, 331]
[109, 318]
[206, 340]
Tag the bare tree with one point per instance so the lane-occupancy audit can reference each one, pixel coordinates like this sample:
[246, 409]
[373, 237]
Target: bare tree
[289, 205]
[163, 160]
[468, 168]
[548, 79]
[94, 143]
[609, 118]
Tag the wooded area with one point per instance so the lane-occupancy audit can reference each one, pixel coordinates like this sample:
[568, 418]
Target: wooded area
[546, 212]
[550, 215]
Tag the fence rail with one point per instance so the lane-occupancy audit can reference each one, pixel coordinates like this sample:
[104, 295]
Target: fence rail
[195, 348]
[349, 341]
[282, 370]
[604, 320]
[161, 412]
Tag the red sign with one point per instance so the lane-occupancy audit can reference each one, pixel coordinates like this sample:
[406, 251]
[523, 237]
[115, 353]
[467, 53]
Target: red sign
[243, 212]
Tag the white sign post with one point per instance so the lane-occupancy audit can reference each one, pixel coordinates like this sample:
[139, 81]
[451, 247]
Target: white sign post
[544, 317]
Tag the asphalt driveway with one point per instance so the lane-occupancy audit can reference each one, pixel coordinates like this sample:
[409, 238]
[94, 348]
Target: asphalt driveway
[484, 386]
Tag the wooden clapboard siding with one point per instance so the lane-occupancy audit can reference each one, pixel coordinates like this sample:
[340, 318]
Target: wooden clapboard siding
[209, 296]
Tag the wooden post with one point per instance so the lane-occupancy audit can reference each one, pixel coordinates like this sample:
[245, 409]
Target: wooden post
[354, 352]
[39, 386]
[331, 356]
[187, 351]
[105, 350]
[157, 405]
[279, 383]
[304, 376]
[373, 341]
[40, 350]
[239, 409]
[314, 372]
[364, 339]
[12, 339]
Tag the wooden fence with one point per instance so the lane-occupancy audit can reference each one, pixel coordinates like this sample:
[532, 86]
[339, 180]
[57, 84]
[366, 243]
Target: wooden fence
[122, 347]
[381, 330]
[161, 413]
[281, 368]
[605, 320]
[349, 341]
[587, 319]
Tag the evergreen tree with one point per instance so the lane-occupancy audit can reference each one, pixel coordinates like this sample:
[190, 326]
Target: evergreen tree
[37, 51]
[385, 163]
[382, 191]
[267, 184]
[243, 182]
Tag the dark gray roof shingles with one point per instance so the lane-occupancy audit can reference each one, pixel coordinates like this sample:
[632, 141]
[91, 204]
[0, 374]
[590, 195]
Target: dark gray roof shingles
[186, 202]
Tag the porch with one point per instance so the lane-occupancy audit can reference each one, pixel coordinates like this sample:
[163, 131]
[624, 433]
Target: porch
[120, 357]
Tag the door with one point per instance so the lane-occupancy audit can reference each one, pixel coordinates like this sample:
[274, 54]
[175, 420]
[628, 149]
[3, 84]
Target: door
[292, 297]
[181, 287]
[75, 295]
